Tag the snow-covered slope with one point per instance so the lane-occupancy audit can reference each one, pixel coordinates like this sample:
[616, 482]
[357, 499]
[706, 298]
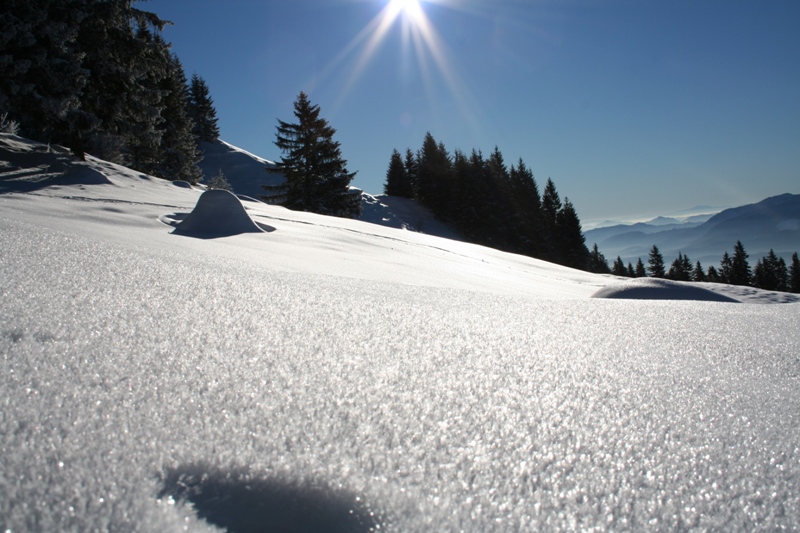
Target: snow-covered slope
[326, 374]
[247, 172]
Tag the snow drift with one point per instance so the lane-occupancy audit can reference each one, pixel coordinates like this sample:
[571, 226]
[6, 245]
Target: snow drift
[218, 213]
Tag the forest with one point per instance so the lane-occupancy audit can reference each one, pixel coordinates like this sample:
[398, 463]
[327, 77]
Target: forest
[489, 203]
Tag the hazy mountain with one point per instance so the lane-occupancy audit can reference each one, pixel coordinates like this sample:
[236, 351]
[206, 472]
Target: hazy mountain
[773, 223]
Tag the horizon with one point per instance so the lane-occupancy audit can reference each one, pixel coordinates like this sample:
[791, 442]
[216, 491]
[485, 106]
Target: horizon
[681, 104]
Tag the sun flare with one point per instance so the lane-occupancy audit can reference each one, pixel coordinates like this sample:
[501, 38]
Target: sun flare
[421, 45]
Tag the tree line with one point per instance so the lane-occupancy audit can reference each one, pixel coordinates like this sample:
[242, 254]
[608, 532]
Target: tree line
[98, 77]
[489, 203]
[770, 273]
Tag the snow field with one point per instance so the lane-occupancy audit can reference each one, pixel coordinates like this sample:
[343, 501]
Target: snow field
[342, 376]
[438, 409]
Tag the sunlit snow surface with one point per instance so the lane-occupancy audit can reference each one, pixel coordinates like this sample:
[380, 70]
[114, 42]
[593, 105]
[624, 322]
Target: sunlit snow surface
[336, 375]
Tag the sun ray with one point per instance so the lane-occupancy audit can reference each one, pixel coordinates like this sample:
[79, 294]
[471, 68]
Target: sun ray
[421, 45]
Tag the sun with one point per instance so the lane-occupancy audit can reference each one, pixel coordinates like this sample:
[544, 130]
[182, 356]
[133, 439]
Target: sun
[410, 9]
[421, 44]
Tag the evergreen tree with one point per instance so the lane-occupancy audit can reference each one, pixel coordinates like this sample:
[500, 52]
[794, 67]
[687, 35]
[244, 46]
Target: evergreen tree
[317, 179]
[122, 100]
[396, 176]
[741, 274]
[551, 205]
[725, 269]
[201, 110]
[572, 243]
[770, 273]
[528, 206]
[631, 271]
[220, 182]
[655, 263]
[618, 269]
[178, 153]
[41, 74]
[434, 177]
[794, 274]
[412, 168]
[698, 274]
[597, 261]
[713, 276]
[681, 269]
[640, 270]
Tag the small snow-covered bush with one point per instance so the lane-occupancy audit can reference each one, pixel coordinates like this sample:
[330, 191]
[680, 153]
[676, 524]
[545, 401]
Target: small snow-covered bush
[220, 182]
[7, 125]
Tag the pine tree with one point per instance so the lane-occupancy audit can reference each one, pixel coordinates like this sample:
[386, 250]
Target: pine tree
[317, 179]
[618, 269]
[794, 274]
[741, 274]
[551, 205]
[770, 273]
[396, 177]
[712, 275]
[597, 261]
[572, 243]
[200, 108]
[41, 74]
[681, 269]
[698, 274]
[631, 271]
[725, 269]
[655, 263]
[220, 182]
[434, 177]
[122, 100]
[412, 170]
[640, 270]
[178, 153]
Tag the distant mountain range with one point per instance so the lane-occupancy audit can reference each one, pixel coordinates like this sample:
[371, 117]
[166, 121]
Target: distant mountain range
[773, 223]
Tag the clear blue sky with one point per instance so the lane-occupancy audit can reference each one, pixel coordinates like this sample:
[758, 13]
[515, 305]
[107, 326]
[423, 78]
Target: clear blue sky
[632, 107]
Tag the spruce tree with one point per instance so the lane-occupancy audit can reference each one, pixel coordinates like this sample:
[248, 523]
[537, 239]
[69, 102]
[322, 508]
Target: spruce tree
[597, 261]
[712, 275]
[434, 177]
[655, 263]
[681, 269]
[396, 176]
[641, 272]
[570, 237]
[698, 274]
[770, 273]
[41, 73]
[725, 268]
[412, 167]
[618, 269]
[551, 205]
[794, 274]
[200, 108]
[741, 274]
[317, 179]
[122, 100]
[178, 155]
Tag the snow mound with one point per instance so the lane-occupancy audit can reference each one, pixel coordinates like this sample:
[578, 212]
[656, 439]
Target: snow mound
[218, 213]
[660, 289]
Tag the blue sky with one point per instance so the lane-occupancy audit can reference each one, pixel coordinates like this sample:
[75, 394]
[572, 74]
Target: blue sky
[631, 107]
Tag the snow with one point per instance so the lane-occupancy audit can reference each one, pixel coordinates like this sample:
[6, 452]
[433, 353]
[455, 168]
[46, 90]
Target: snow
[218, 213]
[340, 375]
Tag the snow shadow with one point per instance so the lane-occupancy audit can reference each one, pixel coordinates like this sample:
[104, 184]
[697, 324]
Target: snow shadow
[42, 167]
[218, 213]
[240, 502]
[661, 289]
